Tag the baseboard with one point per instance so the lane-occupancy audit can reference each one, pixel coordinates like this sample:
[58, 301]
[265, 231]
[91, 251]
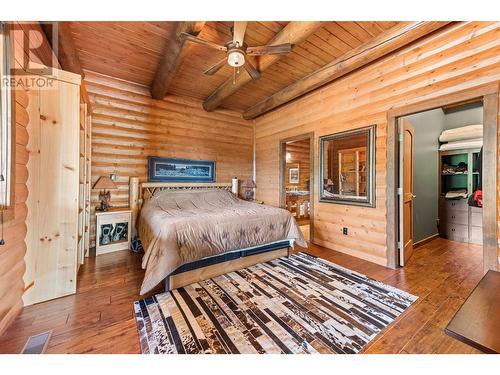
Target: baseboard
[425, 240]
[354, 253]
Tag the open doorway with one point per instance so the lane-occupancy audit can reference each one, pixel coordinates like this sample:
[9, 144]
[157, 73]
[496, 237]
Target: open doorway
[296, 180]
[440, 175]
[488, 96]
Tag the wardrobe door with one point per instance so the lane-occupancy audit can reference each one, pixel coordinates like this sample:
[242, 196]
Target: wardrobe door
[54, 225]
[33, 201]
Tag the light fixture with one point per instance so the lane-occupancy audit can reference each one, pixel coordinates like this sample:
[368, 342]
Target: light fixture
[236, 58]
[104, 182]
[248, 186]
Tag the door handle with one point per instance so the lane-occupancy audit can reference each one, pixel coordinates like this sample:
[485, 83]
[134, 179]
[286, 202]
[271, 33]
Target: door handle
[413, 196]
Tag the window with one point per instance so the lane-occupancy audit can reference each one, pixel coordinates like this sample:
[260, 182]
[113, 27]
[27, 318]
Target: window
[5, 118]
[347, 165]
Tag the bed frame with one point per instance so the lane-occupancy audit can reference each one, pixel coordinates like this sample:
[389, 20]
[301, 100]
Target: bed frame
[205, 268]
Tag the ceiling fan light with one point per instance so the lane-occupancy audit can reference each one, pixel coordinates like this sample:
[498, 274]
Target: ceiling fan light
[236, 59]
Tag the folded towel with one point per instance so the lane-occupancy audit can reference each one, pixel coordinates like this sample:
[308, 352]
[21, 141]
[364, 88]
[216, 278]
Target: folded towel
[456, 194]
[462, 133]
[457, 145]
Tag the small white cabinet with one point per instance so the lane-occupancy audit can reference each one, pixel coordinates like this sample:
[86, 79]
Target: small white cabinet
[113, 230]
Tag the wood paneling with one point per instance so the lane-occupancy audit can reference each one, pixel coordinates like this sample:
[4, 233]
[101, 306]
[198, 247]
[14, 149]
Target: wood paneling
[172, 57]
[126, 50]
[128, 126]
[12, 265]
[132, 51]
[385, 43]
[455, 58]
[66, 51]
[329, 42]
[294, 33]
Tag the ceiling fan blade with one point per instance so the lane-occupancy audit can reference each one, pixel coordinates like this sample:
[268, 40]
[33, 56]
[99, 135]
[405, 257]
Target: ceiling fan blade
[239, 32]
[254, 73]
[270, 50]
[194, 39]
[214, 69]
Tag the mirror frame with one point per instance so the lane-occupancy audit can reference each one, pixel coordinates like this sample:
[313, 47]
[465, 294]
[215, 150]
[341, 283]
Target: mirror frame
[370, 186]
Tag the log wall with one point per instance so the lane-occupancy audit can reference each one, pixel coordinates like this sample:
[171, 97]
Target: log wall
[460, 56]
[12, 266]
[128, 126]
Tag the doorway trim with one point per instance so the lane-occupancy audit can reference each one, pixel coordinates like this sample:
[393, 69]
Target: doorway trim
[488, 94]
[282, 171]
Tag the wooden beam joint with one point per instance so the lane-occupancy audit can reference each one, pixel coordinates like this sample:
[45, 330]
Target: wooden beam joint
[67, 54]
[173, 55]
[383, 44]
[294, 33]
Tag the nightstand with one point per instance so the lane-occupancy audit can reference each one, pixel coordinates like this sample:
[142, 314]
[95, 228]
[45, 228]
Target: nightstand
[112, 230]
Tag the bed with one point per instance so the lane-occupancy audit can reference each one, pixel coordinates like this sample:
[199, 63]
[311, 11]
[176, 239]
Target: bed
[198, 231]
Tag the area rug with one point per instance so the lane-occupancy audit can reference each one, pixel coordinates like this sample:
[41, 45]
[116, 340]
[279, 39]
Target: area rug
[296, 304]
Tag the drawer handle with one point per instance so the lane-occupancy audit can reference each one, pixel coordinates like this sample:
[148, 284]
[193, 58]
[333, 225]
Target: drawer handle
[453, 230]
[452, 216]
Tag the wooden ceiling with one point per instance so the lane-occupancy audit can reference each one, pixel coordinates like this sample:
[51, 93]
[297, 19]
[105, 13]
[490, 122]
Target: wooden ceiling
[132, 51]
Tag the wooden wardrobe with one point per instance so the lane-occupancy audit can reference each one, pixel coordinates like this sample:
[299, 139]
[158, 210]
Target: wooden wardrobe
[57, 190]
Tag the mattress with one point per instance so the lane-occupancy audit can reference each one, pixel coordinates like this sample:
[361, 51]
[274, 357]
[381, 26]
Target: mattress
[462, 133]
[182, 226]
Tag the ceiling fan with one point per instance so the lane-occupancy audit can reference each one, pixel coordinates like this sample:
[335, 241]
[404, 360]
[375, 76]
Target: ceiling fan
[236, 50]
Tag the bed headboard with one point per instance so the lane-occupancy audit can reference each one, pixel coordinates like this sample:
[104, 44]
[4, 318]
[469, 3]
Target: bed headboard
[140, 192]
[148, 190]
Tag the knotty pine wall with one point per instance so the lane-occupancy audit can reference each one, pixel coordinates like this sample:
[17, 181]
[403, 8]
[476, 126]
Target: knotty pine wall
[461, 56]
[128, 126]
[12, 264]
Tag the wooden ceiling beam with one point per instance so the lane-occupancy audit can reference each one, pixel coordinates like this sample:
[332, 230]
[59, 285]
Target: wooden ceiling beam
[173, 55]
[293, 33]
[66, 50]
[381, 45]
[67, 54]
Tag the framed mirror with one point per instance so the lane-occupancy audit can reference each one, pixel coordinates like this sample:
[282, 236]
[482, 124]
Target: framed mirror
[347, 167]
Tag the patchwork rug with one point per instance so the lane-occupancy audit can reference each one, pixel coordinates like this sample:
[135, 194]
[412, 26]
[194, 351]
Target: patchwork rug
[300, 304]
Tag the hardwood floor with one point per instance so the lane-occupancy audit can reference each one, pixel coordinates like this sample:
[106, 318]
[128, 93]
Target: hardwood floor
[99, 318]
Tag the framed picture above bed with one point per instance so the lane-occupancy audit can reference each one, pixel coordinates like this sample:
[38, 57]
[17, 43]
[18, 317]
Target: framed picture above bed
[180, 170]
